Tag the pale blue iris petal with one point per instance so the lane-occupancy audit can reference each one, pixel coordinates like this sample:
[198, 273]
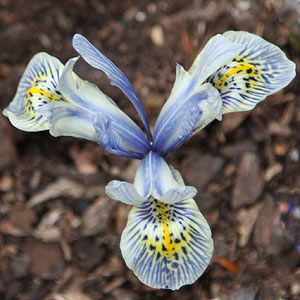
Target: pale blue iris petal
[186, 118]
[143, 178]
[176, 175]
[154, 177]
[178, 194]
[159, 174]
[212, 108]
[70, 120]
[176, 127]
[89, 97]
[167, 246]
[118, 138]
[37, 87]
[217, 52]
[259, 70]
[99, 61]
[124, 192]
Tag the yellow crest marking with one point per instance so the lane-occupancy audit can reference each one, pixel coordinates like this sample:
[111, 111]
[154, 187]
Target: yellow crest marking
[168, 245]
[34, 90]
[243, 67]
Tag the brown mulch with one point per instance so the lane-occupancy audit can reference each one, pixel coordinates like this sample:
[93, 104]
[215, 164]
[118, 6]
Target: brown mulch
[59, 233]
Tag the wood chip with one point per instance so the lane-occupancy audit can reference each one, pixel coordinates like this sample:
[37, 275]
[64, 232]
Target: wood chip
[122, 211]
[118, 281]
[157, 35]
[61, 187]
[250, 182]
[46, 230]
[71, 295]
[264, 224]
[199, 170]
[6, 183]
[96, 216]
[7, 145]
[46, 258]
[83, 159]
[272, 171]
[231, 122]
[19, 222]
[247, 218]
[276, 128]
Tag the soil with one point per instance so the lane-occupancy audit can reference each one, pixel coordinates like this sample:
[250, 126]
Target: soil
[59, 233]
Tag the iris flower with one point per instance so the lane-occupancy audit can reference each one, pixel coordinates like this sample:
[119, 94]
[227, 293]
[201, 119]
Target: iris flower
[167, 242]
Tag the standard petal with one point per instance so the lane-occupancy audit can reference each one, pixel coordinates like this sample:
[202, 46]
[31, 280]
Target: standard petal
[161, 175]
[157, 173]
[117, 132]
[90, 96]
[167, 246]
[143, 178]
[70, 120]
[259, 70]
[124, 192]
[99, 61]
[117, 138]
[186, 118]
[29, 109]
[155, 178]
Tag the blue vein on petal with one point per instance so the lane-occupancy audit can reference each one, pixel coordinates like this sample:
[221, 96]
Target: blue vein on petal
[114, 114]
[117, 78]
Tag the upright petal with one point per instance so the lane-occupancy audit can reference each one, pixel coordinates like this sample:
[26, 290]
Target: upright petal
[155, 178]
[99, 61]
[118, 138]
[157, 173]
[186, 118]
[191, 104]
[259, 70]
[117, 133]
[167, 246]
[29, 109]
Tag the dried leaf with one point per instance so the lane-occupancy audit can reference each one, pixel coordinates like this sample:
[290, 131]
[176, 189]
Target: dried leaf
[225, 263]
[46, 258]
[61, 187]
[96, 216]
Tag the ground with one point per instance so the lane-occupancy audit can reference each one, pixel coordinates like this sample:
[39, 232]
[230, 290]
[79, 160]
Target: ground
[59, 233]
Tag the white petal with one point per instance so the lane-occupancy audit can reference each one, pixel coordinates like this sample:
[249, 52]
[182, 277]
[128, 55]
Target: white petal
[98, 60]
[124, 192]
[259, 70]
[185, 118]
[211, 109]
[81, 92]
[154, 176]
[217, 52]
[29, 109]
[167, 246]
[89, 97]
[70, 120]
[179, 194]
